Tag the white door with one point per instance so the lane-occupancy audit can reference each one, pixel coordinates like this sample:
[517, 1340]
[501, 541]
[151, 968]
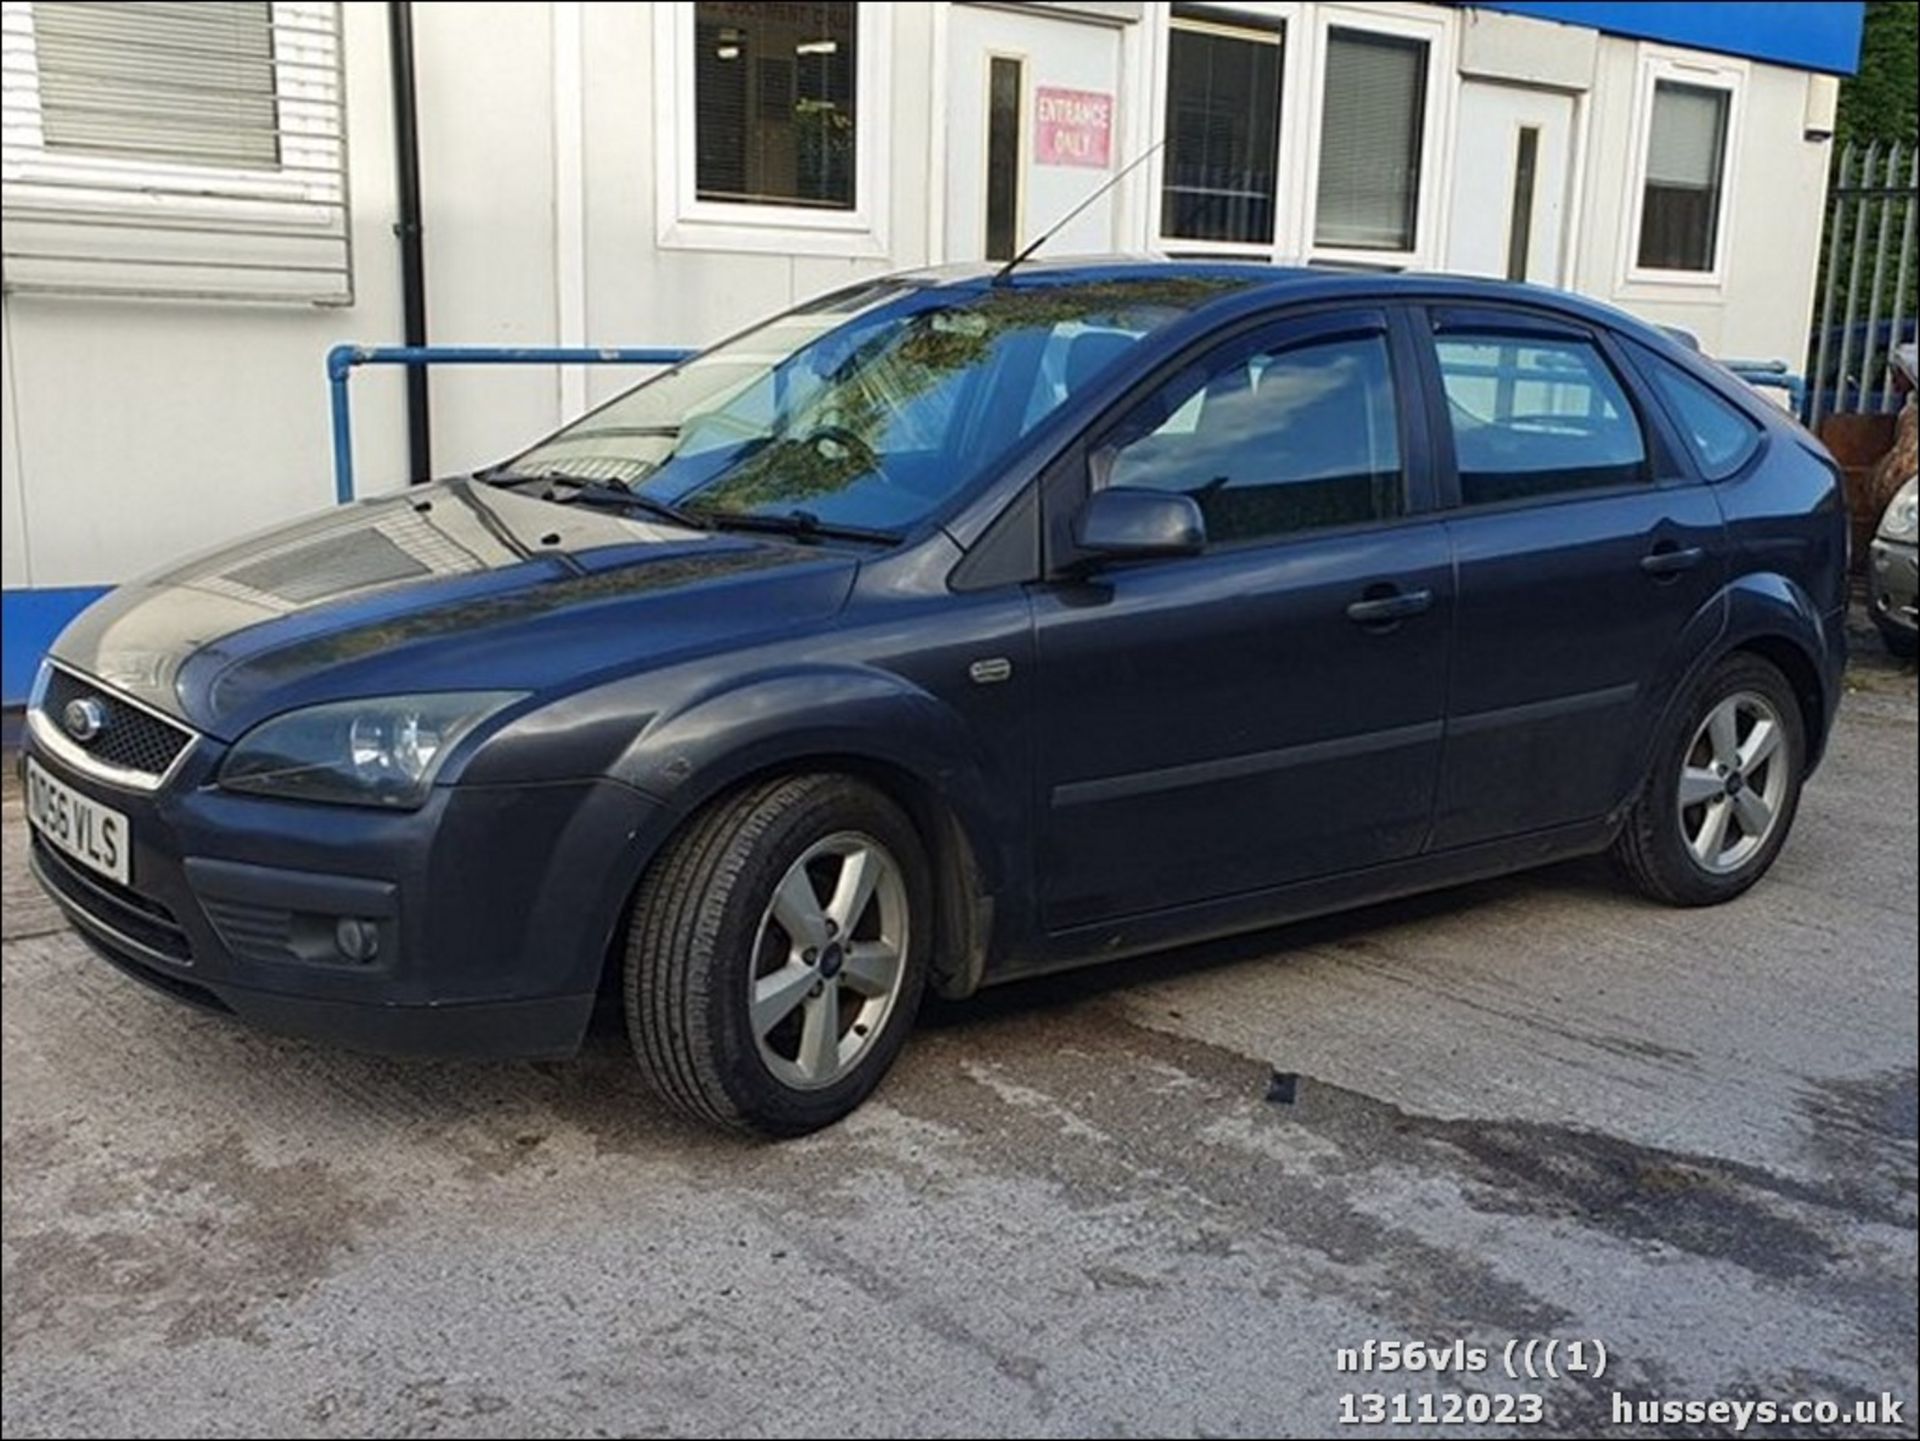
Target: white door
[1511, 175]
[1033, 129]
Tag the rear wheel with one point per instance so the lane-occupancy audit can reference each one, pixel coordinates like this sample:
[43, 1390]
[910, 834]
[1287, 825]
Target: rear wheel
[777, 954]
[1720, 798]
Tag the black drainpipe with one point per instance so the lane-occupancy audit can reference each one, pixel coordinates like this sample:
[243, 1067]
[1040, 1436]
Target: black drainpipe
[413, 268]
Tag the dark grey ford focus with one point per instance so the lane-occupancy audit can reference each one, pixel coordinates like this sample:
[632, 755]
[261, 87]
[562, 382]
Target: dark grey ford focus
[950, 629]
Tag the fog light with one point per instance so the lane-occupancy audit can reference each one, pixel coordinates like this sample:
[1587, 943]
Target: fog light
[356, 939]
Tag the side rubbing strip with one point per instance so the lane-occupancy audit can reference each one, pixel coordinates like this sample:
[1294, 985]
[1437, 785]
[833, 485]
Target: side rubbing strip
[1110, 788]
[1541, 710]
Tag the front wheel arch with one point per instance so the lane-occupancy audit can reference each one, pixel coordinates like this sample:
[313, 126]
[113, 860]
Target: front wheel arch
[964, 903]
[705, 978]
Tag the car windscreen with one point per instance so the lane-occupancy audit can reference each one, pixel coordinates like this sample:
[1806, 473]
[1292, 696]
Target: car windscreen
[871, 408]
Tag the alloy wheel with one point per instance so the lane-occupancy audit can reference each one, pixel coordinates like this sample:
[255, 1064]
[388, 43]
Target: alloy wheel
[1733, 782]
[828, 960]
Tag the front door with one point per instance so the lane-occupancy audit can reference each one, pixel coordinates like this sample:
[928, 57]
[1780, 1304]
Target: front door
[1510, 205]
[1269, 710]
[1034, 129]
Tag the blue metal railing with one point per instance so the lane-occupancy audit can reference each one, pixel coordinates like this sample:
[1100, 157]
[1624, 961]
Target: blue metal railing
[1773, 374]
[342, 359]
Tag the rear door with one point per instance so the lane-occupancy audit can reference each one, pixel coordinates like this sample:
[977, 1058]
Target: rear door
[1270, 710]
[1583, 550]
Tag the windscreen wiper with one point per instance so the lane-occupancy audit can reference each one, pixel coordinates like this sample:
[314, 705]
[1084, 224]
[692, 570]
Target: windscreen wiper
[802, 525]
[582, 490]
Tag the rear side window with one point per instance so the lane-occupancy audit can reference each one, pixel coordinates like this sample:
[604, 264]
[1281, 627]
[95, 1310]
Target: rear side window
[1721, 437]
[1535, 417]
[1270, 440]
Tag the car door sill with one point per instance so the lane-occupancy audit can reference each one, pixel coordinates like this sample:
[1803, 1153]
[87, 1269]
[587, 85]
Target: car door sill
[1302, 900]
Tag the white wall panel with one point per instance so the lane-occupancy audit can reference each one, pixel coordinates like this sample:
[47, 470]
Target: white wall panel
[485, 79]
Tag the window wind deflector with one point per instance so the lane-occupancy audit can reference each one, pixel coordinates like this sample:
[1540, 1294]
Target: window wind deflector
[1498, 320]
[1328, 324]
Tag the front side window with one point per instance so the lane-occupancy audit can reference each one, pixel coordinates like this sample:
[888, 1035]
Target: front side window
[869, 408]
[1269, 440]
[1686, 157]
[1370, 141]
[1536, 417]
[774, 104]
[1223, 132]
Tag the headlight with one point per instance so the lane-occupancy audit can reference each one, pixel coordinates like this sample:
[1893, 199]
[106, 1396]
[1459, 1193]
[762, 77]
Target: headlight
[1902, 520]
[380, 752]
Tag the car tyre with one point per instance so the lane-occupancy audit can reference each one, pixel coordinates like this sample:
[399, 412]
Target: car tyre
[1722, 789]
[1901, 644]
[758, 987]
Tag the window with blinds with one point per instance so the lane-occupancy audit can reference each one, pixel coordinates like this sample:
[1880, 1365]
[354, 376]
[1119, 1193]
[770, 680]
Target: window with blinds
[1370, 141]
[1686, 152]
[183, 149]
[774, 103]
[1223, 132]
[1006, 88]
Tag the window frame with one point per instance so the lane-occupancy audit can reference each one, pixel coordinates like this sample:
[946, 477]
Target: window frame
[255, 220]
[683, 221]
[1287, 19]
[1023, 143]
[1436, 133]
[1066, 481]
[1701, 72]
[1249, 26]
[153, 157]
[1478, 318]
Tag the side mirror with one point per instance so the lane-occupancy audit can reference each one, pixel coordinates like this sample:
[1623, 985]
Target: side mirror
[1128, 524]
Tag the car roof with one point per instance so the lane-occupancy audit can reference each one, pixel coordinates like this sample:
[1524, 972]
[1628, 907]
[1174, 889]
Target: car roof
[1280, 283]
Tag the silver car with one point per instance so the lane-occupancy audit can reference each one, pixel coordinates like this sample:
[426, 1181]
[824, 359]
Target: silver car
[1894, 570]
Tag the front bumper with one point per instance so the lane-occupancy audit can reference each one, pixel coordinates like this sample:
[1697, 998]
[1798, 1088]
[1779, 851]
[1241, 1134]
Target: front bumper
[492, 907]
[1893, 571]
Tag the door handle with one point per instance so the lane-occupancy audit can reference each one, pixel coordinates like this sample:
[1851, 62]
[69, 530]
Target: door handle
[1381, 610]
[1667, 558]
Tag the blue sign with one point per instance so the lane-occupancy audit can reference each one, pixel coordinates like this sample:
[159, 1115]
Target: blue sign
[1816, 36]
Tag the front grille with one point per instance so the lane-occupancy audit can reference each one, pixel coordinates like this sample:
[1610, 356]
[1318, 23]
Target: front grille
[139, 918]
[131, 738]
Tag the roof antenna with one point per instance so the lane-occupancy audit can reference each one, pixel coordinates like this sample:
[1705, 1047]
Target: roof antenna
[1000, 276]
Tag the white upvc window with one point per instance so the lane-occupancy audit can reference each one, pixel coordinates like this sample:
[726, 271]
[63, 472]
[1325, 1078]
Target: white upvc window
[1220, 171]
[1685, 143]
[1378, 144]
[1226, 180]
[771, 122]
[175, 150]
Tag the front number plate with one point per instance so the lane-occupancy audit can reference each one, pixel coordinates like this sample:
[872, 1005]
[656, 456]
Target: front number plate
[95, 835]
